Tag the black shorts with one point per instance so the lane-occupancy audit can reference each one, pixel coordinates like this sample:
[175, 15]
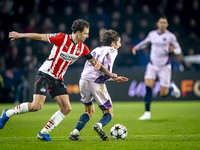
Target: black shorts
[44, 83]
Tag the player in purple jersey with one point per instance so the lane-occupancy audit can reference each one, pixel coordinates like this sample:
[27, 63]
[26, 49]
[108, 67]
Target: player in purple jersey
[92, 85]
[162, 42]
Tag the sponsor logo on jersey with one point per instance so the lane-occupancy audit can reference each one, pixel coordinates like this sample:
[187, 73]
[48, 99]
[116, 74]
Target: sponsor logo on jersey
[68, 57]
[43, 89]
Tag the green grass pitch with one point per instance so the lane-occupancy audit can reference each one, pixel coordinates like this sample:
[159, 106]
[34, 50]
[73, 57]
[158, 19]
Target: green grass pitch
[174, 125]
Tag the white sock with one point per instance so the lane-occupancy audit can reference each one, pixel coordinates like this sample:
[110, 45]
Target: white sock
[147, 113]
[53, 122]
[22, 108]
[75, 132]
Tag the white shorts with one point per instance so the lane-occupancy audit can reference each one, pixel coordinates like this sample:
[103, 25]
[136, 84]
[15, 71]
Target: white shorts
[163, 73]
[90, 90]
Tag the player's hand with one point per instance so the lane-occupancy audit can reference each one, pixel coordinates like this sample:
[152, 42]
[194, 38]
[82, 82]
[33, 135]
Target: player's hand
[113, 75]
[171, 49]
[13, 35]
[97, 65]
[134, 49]
[120, 79]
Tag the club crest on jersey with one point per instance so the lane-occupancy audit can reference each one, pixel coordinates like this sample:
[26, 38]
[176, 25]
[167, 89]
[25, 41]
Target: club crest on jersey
[78, 51]
[43, 89]
[164, 39]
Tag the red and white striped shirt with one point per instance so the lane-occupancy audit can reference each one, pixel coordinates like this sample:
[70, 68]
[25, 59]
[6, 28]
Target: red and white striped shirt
[63, 54]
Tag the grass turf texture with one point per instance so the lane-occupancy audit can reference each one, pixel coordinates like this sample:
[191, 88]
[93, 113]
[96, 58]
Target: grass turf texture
[174, 125]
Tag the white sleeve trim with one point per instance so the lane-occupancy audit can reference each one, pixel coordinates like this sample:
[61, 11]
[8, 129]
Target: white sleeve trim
[48, 38]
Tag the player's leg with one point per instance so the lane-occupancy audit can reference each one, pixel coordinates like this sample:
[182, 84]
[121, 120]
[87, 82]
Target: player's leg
[65, 108]
[150, 76]
[104, 102]
[166, 91]
[147, 99]
[165, 78]
[106, 118]
[59, 93]
[87, 100]
[38, 101]
[84, 118]
[39, 97]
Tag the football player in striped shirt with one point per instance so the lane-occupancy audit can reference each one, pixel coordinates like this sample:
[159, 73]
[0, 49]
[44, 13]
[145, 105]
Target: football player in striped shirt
[92, 84]
[162, 42]
[67, 49]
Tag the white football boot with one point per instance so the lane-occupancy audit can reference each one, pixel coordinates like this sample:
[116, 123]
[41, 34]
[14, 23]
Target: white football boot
[146, 116]
[177, 92]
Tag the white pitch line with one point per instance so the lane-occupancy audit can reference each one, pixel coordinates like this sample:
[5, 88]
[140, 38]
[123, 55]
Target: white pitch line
[178, 135]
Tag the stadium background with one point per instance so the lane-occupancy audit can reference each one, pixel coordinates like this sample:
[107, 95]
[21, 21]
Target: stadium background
[133, 20]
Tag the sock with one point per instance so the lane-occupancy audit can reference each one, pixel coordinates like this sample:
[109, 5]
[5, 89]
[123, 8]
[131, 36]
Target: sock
[82, 122]
[147, 98]
[170, 90]
[105, 119]
[53, 122]
[147, 113]
[22, 108]
[75, 132]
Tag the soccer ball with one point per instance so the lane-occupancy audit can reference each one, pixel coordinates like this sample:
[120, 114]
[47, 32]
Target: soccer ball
[118, 131]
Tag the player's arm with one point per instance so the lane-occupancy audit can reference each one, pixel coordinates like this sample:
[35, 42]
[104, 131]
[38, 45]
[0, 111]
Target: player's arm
[34, 36]
[120, 79]
[143, 44]
[98, 66]
[134, 49]
[174, 46]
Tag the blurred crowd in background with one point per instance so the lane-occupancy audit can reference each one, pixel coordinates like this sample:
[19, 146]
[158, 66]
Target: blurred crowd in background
[132, 19]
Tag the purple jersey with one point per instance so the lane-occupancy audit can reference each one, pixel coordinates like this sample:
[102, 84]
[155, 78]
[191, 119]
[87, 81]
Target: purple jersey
[106, 55]
[159, 54]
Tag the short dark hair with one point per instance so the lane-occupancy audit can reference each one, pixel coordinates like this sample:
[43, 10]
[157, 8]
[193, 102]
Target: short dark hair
[162, 17]
[108, 36]
[79, 25]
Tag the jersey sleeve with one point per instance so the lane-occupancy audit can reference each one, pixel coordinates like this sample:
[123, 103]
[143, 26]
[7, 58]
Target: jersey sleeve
[143, 44]
[56, 38]
[175, 44]
[85, 50]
